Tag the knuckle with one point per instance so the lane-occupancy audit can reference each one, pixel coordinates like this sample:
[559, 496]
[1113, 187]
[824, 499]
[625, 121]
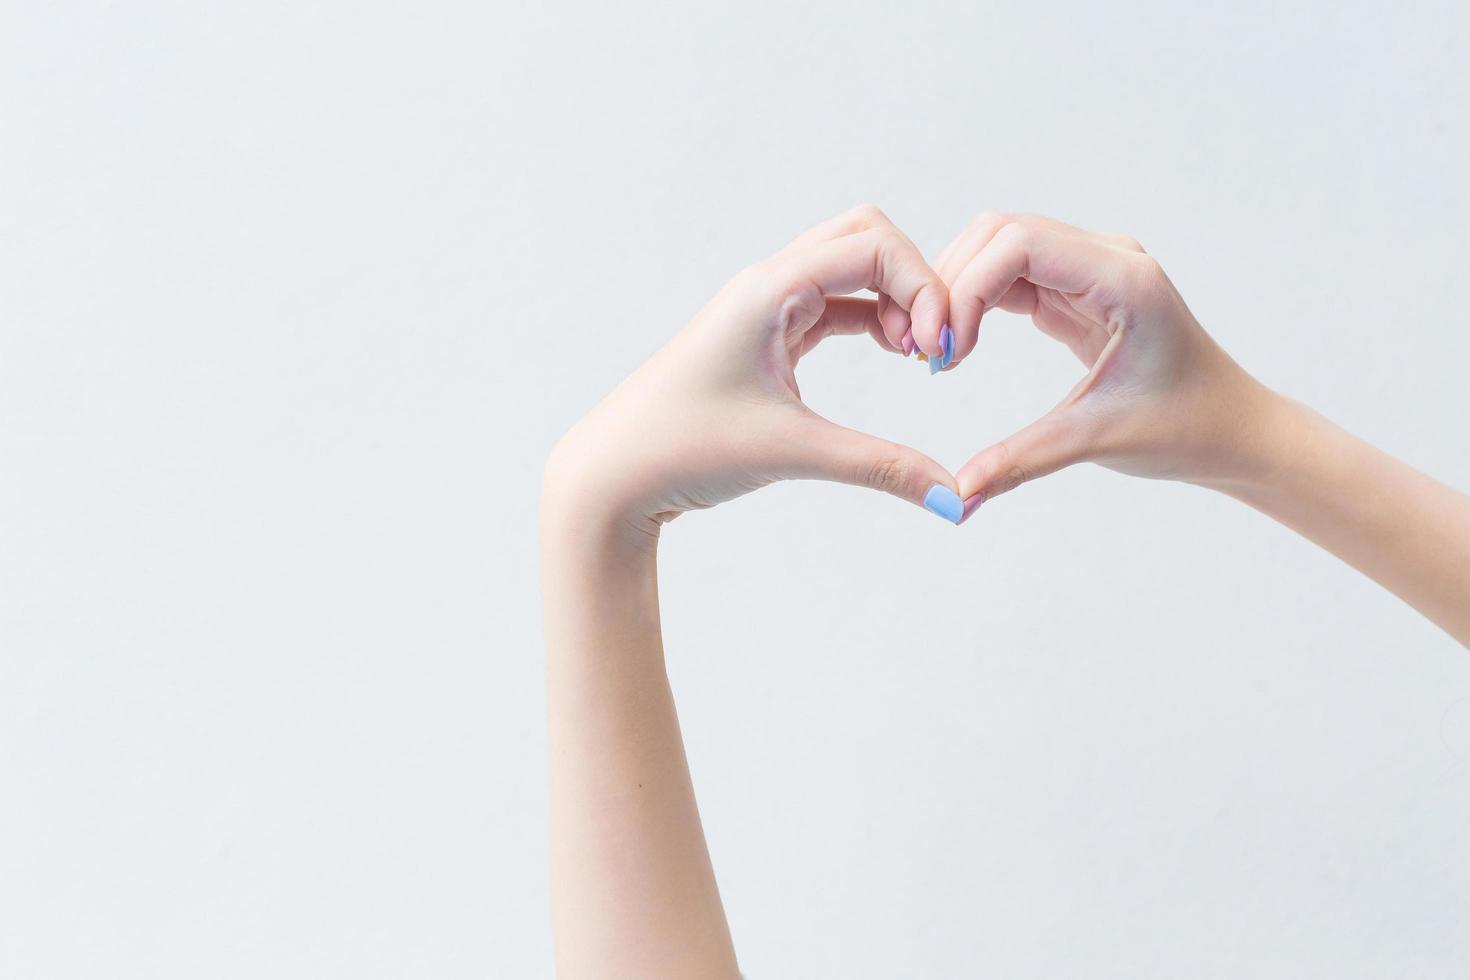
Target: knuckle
[1012, 478]
[987, 220]
[1130, 243]
[869, 213]
[1148, 270]
[1009, 472]
[884, 244]
[889, 474]
[1014, 234]
[758, 283]
[771, 284]
[891, 241]
[879, 235]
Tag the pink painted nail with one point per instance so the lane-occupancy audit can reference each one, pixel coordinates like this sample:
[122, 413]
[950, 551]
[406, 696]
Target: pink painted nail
[908, 343]
[972, 504]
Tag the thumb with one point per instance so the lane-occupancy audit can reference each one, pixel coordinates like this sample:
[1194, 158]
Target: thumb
[823, 450]
[1051, 443]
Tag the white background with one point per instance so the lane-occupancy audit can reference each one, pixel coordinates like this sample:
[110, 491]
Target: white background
[295, 297]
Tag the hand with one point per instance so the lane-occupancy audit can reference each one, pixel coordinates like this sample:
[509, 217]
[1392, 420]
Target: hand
[1160, 398]
[717, 413]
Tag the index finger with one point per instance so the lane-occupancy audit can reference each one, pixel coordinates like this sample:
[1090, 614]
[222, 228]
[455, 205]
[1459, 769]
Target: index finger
[1020, 252]
[881, 259]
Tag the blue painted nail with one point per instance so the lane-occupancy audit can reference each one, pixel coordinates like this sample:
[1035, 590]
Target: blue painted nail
[944, 502]
[946, 351]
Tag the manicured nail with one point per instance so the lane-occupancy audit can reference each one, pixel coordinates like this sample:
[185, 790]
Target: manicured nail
[946, 351]
[908, 343]
[972, 504]
[945, 502]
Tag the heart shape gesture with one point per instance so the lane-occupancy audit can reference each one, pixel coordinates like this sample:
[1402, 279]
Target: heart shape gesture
[717, 412]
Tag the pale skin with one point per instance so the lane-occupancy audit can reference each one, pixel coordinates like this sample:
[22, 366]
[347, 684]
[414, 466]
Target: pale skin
[717, 413]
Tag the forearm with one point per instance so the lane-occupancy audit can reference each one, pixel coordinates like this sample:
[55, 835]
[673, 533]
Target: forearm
[714, 415]
[633, 893]
[1405, 530]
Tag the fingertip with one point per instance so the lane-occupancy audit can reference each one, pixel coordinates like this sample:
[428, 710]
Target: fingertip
[929, 315]
[970, 479]
[895, 321]
[946, 351]
[972, 504]
[966, 334]
[943, 502]
[965, 313]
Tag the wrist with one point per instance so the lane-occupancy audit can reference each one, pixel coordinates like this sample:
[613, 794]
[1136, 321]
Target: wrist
[599, 578]
[1273, 431]
[584, 508]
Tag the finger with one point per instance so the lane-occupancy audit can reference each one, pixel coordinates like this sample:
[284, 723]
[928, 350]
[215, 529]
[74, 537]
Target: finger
[981, 229]
[821, 450]
[884, 260]
[1051, 443]
[1021, 251]
[1125, 242]
[895, 318]
[843, 316]
[1020, 298]
[977, 233]
[853, 220]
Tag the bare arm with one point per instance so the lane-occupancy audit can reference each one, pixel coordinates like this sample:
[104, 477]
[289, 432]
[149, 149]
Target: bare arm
[713, 415]
[1406, 531]
[1161, 399]
[634, 893]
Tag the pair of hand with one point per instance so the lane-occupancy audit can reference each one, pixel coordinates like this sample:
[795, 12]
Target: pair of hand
[717, 412]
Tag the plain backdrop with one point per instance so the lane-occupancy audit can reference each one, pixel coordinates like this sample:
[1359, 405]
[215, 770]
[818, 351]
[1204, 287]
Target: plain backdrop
[295, 298]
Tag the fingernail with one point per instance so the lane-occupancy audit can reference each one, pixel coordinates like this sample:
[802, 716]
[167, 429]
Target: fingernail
[946, 351]
[908, 343]
[972, 504]
[945, 502]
